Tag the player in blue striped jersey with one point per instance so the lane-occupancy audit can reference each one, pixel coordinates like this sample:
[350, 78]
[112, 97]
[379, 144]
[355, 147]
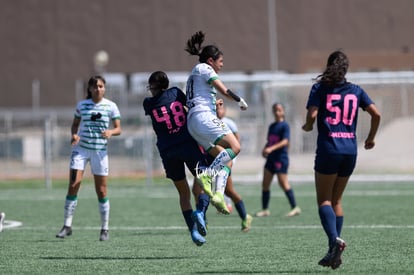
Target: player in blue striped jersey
[334, 103]
[90, 133]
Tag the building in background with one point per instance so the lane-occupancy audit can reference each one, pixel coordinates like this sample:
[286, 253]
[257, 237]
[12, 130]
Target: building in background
[48, 46]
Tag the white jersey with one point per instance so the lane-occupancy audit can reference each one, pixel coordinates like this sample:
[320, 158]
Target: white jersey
[95, 118]
[201, 95]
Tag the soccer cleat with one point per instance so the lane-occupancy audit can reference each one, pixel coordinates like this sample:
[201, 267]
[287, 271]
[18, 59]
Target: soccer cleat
[218, 201]
[204, 179]
[326, 260]
[64, 232]
[104, 235]
[333, 257]
[246, 223]
[263, 213]
[336, 253]
[294, 212]
[2, 217]
[198, 218]
[196, 237]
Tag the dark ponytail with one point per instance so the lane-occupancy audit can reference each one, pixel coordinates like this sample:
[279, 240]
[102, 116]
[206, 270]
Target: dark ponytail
[194, 47]
[336, 69]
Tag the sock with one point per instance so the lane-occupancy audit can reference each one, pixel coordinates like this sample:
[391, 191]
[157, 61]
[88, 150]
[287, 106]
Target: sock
[291, 198]
[203, 202]
[328, 221]
[339, 223]
[187, 218]
[222, 159]
[221, 179]
[104, 208]
[241, 209]
[69, 210]
[265, 199]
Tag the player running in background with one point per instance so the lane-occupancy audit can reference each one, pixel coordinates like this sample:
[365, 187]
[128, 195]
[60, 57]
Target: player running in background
[177, 149]
[90, 132]
[277, 162]
[231, 193]
[333, 103]
[203, 124]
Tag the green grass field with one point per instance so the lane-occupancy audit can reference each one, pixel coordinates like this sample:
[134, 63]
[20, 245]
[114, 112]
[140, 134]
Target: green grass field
[148, 234]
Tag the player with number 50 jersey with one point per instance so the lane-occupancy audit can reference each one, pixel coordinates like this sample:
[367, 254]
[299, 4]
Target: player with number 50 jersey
[334, 103]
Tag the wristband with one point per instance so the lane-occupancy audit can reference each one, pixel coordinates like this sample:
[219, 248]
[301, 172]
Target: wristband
[233, 95]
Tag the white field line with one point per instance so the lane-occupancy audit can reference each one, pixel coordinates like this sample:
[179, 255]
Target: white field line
[160, 194]
[19, 225]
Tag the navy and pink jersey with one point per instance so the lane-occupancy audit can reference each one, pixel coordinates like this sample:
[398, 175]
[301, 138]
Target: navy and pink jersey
[277, 132]
[337, 116]
[169, 118]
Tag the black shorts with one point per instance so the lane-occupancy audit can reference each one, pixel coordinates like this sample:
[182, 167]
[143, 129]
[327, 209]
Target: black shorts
[277, 165]
[340, 164]
[175, 159]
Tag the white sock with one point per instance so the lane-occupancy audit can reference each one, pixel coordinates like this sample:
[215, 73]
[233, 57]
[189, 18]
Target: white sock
[221, 180]
[104, 211]
[220, 161]
[70, 206]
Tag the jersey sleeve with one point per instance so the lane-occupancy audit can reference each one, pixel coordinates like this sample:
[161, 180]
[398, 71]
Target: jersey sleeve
[77, 113]
[313, 99]
[115, 114]
[365, 100]
[286, 132]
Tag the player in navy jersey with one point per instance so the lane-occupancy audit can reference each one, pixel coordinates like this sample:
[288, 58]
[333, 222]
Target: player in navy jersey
[209, 131]
[90, 133]
[333, 103]
[277, 162]
[177, 149]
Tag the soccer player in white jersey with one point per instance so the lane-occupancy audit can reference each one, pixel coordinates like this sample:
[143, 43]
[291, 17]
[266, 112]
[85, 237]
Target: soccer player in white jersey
[90, 133]
[203, 124]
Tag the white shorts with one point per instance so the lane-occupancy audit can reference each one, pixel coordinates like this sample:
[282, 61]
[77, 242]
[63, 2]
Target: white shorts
[206, 128]
[98, 160]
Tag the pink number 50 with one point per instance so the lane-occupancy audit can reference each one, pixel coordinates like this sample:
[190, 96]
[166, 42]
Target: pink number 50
[349, 109]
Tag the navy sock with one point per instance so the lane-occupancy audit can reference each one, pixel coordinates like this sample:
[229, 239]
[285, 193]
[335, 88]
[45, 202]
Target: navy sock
[203, 202]
[187, 218]
[328, 221]
[339, 223]
[265, 199]
[241, 209]
[291, 198]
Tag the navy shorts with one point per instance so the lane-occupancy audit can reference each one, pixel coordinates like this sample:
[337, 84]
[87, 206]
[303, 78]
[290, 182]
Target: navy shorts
[277, 165]
[175, 159]
[340, 164]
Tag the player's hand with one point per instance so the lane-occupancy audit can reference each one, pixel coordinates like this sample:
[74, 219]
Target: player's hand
[266, 151]
[369, 144]
[243, 105]
[75, 139]
[307, 128]
[107, 134]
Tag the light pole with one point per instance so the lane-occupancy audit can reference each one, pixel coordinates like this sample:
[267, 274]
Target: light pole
[100, 60]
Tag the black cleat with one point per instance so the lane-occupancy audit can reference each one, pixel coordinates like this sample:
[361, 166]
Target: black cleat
[65, 231]
[104, 235]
